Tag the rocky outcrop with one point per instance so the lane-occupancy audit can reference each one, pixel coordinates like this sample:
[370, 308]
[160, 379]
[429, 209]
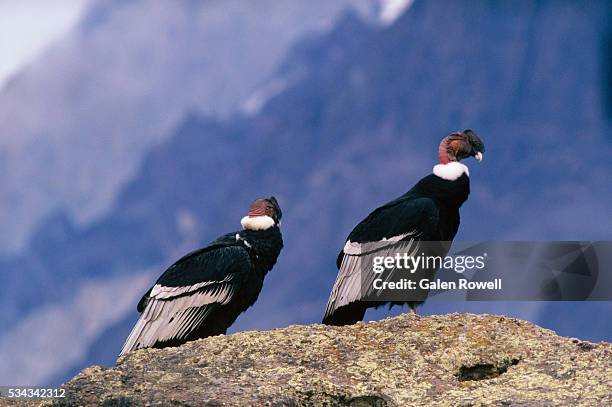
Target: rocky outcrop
[456, 359]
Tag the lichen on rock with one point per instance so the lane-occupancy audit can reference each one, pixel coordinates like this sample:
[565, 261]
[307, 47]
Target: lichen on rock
[456, 359]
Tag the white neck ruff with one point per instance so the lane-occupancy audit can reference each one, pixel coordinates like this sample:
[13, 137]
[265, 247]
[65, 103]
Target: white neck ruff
[257, 222]
[450, 171]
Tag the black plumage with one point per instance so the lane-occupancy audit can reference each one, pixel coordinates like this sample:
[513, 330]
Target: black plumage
[203, 293]
[429, 212]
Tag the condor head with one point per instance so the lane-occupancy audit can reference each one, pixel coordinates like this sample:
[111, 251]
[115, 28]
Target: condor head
[263, 214]
[459, 145]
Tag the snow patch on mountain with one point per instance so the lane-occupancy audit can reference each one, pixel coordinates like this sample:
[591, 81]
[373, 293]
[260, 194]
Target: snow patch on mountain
[390, 10]
[254, 103]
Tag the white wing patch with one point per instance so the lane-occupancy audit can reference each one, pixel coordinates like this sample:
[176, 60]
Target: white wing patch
[350, 281]
[352, 248]
[347, 287]
[161, 292]
[355, 249]
[174, 312]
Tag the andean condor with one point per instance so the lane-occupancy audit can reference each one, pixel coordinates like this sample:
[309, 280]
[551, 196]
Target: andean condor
[203, 293]
[428, 212]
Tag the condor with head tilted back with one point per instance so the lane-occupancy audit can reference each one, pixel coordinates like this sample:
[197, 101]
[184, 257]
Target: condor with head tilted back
[428, 212]
[203, 293]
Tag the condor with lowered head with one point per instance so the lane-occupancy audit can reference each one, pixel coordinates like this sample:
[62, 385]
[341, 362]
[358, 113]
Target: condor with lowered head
[203, 293]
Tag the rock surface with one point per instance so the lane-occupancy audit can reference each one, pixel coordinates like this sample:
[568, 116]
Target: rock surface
[456, 359]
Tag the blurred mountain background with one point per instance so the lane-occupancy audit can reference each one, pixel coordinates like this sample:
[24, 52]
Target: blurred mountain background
[147, 129]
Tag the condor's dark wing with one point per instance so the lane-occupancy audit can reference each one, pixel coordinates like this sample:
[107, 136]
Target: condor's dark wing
[189, 292]
[406, 219]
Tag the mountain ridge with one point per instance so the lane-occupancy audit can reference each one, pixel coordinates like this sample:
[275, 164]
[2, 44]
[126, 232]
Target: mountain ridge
[358, 127]
[155, 60]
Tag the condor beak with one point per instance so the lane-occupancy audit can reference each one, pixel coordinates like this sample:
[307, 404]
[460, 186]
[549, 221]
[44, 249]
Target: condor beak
[478, 156]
